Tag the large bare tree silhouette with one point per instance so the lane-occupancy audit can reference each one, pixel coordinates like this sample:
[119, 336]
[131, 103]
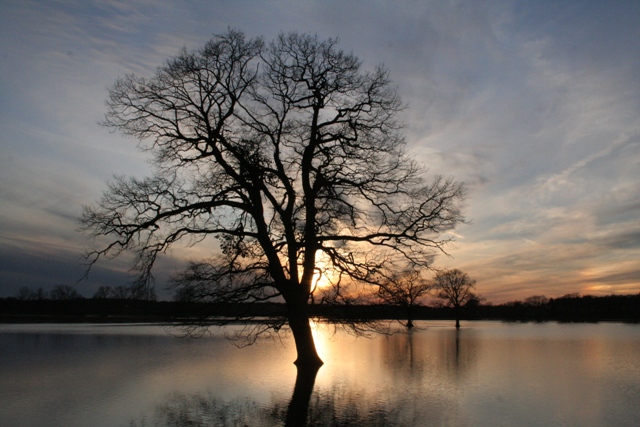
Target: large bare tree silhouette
[285, 152]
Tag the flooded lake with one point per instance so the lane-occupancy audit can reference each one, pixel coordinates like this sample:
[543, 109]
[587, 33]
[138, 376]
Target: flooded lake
[486, 374]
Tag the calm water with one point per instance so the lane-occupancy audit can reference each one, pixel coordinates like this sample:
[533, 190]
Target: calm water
[486, 374]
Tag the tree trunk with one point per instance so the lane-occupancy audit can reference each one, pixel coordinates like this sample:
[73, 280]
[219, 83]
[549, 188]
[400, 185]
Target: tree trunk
[409, 324]
[301, 329]
[457, 317]
[409, 318]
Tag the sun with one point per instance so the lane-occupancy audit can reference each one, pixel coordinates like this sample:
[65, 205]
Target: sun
[323, 273]
[320, 280]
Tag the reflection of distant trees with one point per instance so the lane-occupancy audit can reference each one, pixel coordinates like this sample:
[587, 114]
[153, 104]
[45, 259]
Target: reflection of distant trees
[404, 354]
[460, 350]
[445, 353]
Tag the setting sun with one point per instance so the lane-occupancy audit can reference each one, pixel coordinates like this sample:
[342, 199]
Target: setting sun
[322, 278]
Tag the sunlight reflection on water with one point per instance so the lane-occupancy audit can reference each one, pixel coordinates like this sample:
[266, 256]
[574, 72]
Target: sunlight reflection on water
[486, 374]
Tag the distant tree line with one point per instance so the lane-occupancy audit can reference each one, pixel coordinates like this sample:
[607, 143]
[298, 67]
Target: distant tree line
[568, 308]
[68, 292]
[125, 292]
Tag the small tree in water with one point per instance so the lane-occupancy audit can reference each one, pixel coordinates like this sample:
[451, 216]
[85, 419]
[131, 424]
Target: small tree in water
[283, 152]
[454, 287]
[405, 290]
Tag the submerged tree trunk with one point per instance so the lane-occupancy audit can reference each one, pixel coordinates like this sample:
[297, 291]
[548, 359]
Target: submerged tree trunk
[409, 318]
[457, 317]
[409, 324]
[301, 329]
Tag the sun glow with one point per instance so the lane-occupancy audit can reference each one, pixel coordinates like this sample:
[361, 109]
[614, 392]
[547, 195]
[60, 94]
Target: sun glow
[322, 339]
[322, 278]
[320, 281]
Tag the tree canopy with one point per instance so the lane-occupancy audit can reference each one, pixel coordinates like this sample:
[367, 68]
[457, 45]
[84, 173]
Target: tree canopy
[405, 289]
[287, 152]
[454, 287]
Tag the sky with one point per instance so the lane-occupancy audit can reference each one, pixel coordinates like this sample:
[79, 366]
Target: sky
[534, 105]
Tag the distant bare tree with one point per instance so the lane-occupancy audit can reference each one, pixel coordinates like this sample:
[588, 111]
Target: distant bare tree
[25, 293]
[454, 287]
[40, 294]
[406, 290]
[474, 300]
[573, 295]
[146, 293]
[285, 153]
[120, 292]
[103, 292]
[64, 292]
[536, 300]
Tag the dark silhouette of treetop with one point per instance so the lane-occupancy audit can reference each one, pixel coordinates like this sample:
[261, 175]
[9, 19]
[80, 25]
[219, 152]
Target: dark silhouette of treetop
[285, 152]
[405, 289]
[64, 292]
[454, 287]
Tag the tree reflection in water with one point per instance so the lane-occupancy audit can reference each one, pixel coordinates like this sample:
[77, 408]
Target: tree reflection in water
[460, 351]
[424, 383]
[335, 408]
[412, 359]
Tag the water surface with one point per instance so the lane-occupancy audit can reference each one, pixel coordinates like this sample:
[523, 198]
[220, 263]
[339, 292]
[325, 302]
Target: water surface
[486, 374]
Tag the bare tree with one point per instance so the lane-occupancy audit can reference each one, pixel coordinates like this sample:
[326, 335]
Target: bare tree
[285, 153]
[406, 290]
[64, 292]
[536, 301]
[25, 293]
[474, 300]
[120, 292]
[454, 287]
[40, 294]
[103, 292]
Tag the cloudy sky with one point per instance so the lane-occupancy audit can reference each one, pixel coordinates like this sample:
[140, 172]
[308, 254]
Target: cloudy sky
[535, 105]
